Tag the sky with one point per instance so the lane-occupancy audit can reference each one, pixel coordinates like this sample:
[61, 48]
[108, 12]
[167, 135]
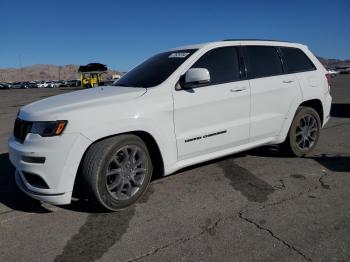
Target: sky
[121, 34]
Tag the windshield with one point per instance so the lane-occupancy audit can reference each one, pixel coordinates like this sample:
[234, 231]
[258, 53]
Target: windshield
[155, 70]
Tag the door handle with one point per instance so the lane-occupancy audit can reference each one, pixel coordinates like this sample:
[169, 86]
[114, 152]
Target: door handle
[288, 81]
[237, 89]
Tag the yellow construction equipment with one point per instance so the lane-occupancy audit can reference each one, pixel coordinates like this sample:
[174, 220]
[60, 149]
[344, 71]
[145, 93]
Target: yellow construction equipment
[91, 74]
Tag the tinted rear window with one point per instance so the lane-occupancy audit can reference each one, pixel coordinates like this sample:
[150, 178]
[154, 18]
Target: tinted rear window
[263, 61]
[296, 60]
[222, 64]
[155, 70]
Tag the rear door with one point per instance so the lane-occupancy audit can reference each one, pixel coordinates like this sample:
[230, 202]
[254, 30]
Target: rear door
[216, 116]
[309, 78]
[272, 91]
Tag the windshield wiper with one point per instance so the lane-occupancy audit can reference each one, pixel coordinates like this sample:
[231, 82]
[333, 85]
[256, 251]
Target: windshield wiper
[125, 85]
[116, 84]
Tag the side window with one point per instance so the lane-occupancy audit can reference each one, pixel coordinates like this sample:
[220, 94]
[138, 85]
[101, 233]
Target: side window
[222, 63]
[296, 60]
[263, 61]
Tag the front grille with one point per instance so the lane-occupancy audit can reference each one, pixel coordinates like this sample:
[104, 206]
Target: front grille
[21, 129]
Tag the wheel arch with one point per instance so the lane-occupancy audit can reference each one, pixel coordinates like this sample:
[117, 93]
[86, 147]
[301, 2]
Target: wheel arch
[152, 146]
[154, 150]
[315, 104]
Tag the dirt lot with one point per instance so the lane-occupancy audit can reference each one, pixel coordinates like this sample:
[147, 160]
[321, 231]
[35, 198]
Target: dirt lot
[254, 206]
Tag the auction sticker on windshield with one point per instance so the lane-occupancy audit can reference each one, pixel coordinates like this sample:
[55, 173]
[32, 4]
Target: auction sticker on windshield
[178, 55]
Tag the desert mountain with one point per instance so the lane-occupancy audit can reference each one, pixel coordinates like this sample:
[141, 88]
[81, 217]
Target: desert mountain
[45, 72]
[333, 63]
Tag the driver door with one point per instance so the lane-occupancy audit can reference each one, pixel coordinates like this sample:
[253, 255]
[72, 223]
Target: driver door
[213, 117]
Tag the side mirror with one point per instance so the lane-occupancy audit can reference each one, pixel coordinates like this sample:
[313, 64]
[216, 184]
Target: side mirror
[195, 77]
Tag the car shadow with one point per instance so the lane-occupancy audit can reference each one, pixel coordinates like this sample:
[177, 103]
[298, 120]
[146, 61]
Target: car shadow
[202, 164]
[335, 163]
[10, 194]
[340, 110]
[267, 151]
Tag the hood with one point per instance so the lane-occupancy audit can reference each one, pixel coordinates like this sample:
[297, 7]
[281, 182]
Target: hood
[51, 108]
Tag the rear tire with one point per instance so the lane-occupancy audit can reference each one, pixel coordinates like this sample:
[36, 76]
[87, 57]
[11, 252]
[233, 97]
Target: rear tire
[303, 133]
[116, 171]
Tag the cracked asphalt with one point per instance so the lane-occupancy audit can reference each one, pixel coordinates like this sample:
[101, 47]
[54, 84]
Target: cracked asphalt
[252, 206]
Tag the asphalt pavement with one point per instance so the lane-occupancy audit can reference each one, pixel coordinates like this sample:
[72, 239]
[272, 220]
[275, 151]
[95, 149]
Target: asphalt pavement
[253, 206]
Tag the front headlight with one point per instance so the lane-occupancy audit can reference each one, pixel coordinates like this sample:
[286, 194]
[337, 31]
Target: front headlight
[48, 128]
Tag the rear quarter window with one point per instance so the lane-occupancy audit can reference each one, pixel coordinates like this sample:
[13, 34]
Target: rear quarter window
[296, 60]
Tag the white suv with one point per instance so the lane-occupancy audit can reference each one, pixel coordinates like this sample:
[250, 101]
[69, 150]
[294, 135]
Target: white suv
[178, 108]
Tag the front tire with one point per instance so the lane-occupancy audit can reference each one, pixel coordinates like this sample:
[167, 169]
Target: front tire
[116, 171]
[303, 133]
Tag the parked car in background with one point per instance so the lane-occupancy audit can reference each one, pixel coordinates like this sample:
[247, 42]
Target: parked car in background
[19, 85]
[107, 82]
[48, 84]
[116, 77]
[207, 101]
[25, 85]
[42, 84]
[332, 72]
[16, 85]
[61, 83]
[53, 84]
[7, 85]
[28, 85]
[344, 70]
[33, 84]
[73, 83]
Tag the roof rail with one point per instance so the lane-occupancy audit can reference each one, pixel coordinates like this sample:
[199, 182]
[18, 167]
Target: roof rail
[247, 39]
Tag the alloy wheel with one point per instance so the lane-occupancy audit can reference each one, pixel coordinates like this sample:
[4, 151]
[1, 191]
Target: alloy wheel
[126, 172]
[306, 132]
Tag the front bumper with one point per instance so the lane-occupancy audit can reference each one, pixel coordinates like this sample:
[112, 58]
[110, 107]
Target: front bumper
[55, 199]
[62, 156]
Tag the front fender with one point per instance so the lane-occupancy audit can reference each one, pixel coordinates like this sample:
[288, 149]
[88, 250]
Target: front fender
[162, 134]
